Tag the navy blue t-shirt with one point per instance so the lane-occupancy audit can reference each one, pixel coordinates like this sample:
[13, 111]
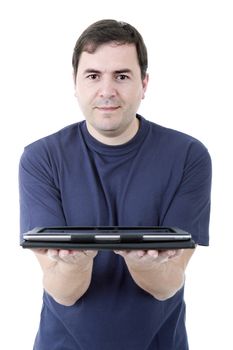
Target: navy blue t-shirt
[160, 177]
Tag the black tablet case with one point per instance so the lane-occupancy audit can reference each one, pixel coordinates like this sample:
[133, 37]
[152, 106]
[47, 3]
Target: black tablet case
[83, 238]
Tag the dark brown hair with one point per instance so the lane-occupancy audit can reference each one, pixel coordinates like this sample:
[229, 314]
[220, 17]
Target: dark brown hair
[106, 31]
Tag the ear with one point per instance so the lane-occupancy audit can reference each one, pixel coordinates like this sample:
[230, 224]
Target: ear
[74, 78]
[144, 85]
[74, 81]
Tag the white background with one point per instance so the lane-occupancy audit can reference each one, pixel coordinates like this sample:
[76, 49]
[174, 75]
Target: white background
[191, 89]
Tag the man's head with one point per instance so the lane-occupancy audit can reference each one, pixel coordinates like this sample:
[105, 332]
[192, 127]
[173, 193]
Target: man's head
[110, 63]
[107, 31]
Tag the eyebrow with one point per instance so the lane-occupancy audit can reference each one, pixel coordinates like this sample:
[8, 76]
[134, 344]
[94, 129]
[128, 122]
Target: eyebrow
[121, 71]
[96, 71]
[91, 71]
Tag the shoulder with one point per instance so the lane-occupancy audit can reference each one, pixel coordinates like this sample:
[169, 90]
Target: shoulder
[61, 136]
[48, 153]
[176, 143]
[167, 134]
[54, 143]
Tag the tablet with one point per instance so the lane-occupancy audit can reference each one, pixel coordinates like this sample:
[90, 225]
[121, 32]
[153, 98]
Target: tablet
[108, 238]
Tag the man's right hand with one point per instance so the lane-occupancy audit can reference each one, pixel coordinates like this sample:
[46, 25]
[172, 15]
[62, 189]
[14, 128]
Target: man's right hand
[66, 273]
[71, 256]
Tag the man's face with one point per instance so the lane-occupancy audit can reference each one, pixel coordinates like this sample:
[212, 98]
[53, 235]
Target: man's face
[109, 88]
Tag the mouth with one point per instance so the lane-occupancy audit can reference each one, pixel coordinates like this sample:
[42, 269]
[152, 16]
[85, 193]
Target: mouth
[107, 109]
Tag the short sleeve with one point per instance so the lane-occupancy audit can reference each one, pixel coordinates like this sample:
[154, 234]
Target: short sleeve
[40, 199]
[189, 209]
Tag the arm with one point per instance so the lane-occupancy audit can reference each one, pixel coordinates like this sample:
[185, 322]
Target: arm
[161, 274]
[66, 274]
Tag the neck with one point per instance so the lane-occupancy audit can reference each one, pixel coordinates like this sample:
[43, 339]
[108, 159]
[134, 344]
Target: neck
[112, 138]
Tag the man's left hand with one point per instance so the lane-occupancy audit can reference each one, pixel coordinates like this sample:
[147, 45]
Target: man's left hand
[146, 259]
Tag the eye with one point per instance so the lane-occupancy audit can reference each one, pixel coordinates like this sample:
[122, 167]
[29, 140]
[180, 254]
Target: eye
[122, 77]
[93, 76]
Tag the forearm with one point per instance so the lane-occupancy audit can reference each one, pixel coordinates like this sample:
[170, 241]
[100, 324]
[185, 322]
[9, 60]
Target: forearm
[162, 281]
[67, 283]
[66, 273]
[161, 274]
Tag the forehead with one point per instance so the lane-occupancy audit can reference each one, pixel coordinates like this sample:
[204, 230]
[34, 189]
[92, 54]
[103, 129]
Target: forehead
[110, 56]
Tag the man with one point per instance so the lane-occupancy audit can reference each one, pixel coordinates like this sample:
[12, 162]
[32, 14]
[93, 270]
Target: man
[114, 168]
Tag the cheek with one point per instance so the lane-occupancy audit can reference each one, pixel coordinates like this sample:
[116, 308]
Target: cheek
[132, 95]
[137, 96]
[82, 98]
[139, 93]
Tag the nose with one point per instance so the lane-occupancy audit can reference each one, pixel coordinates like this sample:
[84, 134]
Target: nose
[107, 88]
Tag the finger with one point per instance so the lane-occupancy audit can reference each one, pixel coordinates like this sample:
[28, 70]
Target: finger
[131, 253]
[141, 253]
[179, 252]
[135, 254]
[153, 253]
[42, 251]
[90, 253]
[174, 253]
[123, 253]
[166, 255]
[53, 254]
[75, 255]
[67, 254]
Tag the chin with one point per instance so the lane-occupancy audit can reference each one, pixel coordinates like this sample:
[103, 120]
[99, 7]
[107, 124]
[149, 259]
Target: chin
[108, 125]
[109, 131]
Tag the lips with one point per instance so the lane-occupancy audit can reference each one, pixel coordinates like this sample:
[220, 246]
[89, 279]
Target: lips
[107, 109]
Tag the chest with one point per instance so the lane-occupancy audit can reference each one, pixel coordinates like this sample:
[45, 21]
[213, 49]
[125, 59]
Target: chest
[115, 190]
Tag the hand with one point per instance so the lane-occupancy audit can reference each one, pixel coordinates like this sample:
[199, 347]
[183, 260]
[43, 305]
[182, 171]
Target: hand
[70, 256]
[146, 259]
[67, 256]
